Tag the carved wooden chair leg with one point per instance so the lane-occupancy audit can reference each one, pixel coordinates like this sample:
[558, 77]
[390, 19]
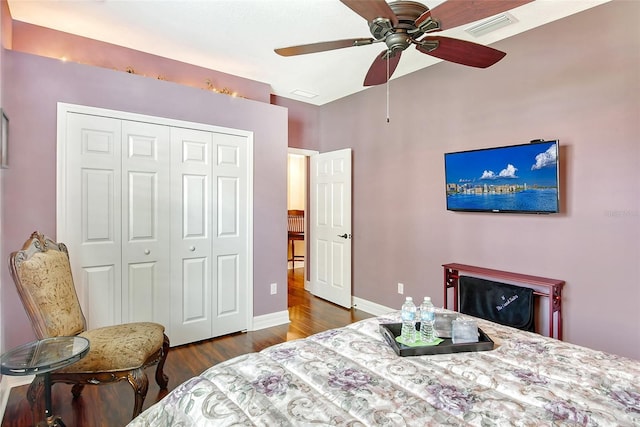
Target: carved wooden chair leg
[140, 383]
[35, 397]
[76, 390]
[161, 378]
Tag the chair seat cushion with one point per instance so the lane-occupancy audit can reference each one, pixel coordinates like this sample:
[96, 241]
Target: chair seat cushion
[119, 347]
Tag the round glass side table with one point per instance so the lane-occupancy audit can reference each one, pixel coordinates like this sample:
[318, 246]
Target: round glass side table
[40, 358]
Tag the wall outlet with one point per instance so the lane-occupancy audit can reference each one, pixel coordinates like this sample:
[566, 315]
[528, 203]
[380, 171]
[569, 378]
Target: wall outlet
[274, 288]
[400, 288]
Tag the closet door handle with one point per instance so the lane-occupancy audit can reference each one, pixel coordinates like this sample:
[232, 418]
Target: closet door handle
[147, 251]
[192, 248]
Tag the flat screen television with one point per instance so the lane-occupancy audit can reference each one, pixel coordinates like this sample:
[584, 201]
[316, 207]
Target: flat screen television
[514, 179]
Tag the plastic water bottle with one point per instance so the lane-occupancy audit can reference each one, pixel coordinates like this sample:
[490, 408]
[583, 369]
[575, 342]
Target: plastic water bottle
[427, 320]
[408, 314]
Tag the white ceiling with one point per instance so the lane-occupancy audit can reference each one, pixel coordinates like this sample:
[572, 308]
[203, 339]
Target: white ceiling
[238, 36]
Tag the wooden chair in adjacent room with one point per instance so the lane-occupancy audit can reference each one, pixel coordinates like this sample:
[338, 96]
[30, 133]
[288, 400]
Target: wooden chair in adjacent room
[42, 274]
[295, 226]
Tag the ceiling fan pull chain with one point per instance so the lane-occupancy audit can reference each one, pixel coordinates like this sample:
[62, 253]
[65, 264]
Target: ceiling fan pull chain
[388, 55]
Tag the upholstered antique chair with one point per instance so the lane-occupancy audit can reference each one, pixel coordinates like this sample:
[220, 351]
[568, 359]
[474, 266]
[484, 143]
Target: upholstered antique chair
[42, 274]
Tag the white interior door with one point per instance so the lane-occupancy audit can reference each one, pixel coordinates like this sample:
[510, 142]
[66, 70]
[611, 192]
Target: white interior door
[330, 219]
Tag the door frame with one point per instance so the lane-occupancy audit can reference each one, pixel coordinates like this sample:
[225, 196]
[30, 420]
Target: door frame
[61, 179]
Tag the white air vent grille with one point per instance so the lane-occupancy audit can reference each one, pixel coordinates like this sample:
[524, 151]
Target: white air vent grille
[491, 24]
[304, 93]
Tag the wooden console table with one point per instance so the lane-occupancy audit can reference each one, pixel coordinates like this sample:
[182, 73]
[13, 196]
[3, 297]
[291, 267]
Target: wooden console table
[553, 289]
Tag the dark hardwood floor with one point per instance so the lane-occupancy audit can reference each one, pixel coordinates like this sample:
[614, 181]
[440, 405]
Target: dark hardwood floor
[111, 405]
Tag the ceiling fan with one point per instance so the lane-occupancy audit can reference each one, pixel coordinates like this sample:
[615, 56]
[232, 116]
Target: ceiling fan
[400, 24]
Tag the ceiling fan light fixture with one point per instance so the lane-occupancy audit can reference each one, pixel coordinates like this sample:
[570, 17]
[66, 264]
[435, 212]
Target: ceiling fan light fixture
[492, 24]
[397, 41]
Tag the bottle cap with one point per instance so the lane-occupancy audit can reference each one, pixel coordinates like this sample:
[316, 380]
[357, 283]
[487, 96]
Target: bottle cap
[427, 299]
[409, 298]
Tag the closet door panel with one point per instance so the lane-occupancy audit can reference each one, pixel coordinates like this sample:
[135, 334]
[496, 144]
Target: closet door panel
[228, 207]
[98, 217]
[229, 290]
[191, 237]
[100, 284]
[143, 278]
[194, 290]
[92, 203]
[146, 222]
[142, 205]
[230, 245]
[194, 206]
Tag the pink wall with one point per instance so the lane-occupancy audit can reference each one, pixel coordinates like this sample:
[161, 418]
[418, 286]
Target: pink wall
[36, 84]
[303, 122]
[5, 40]
[560, 81]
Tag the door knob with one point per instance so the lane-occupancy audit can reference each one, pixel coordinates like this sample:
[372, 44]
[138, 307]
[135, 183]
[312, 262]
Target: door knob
[147, 251]
[345, 236]
[192, 248]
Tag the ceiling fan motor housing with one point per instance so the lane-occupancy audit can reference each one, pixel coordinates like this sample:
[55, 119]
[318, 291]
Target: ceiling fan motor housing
[398, 38]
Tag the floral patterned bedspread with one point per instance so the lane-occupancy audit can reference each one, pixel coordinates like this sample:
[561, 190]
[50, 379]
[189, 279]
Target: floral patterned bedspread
[351, 377]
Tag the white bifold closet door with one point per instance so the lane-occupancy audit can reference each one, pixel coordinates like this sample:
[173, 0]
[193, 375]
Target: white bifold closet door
[209, 279]
[156, 221]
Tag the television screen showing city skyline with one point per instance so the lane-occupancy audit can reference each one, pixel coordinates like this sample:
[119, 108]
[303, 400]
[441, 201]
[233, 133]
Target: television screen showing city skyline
[517, 178]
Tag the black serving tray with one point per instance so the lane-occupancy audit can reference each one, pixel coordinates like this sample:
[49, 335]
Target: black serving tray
[392, 330]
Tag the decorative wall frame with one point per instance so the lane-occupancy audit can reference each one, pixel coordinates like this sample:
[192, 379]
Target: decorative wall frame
[4, 140]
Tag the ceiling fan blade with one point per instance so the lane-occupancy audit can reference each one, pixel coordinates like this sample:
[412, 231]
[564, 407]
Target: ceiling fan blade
[372, 9]
[322, 46]
[377, 73]
[454, 13]
[461, 51]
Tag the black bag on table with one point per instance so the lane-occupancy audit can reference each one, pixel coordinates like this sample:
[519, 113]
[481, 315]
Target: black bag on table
[498, 302]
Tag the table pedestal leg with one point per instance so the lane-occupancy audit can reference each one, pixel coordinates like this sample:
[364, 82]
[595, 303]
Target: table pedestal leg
[51, 420]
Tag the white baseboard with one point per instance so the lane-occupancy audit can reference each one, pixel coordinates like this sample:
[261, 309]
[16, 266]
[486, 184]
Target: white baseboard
[371, 307]
[271, 319]
[6, 384]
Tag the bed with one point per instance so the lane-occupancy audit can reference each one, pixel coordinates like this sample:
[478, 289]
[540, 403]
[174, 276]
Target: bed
[351, 377]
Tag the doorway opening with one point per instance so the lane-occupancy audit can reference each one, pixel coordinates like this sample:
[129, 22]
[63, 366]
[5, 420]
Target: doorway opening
[296, 207]
[298, 200]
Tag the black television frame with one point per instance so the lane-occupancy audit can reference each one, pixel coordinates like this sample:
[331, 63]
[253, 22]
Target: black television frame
[472, 184]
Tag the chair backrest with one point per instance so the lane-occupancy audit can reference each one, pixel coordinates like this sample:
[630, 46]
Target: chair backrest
[42, 274]
[295, 221]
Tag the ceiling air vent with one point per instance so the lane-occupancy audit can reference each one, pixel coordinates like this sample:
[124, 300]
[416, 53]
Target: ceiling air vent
[491, 24]
[304, 93]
